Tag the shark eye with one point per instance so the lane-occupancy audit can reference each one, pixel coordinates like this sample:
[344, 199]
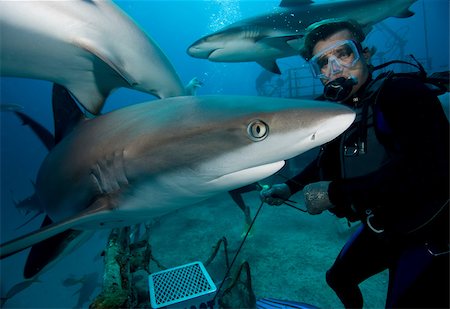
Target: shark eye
[257, 130]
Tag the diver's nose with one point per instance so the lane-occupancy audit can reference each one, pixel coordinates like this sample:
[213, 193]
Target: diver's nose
[334, 67]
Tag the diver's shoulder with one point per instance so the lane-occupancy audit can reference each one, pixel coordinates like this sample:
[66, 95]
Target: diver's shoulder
[405, 84]
[404, 79]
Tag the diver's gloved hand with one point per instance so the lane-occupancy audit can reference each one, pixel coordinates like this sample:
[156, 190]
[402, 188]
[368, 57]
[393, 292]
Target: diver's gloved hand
[316, 197]
[275, 195]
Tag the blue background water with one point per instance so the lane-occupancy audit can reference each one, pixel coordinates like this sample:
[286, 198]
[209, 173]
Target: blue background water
[174, 25]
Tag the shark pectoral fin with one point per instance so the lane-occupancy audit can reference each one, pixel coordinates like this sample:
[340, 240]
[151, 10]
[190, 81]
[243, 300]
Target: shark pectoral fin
[30, 239]
[107, 59]
[296, 43]
[270, 65]
[91, 91]
[45, 253]
[404, 14]
[285, 42]
[89, 95]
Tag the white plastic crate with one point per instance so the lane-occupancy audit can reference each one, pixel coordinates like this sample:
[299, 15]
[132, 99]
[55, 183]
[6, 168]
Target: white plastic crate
[184, 286]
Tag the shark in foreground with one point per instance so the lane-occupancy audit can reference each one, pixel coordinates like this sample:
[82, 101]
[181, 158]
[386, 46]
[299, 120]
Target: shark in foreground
[91, 47]
[280, 33]
[146, 160]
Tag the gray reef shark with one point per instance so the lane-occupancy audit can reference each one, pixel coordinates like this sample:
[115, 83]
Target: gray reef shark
[16, 289]
[88, 283]
[280, 33]
[5, 107]
[145, 160]
[90, 47]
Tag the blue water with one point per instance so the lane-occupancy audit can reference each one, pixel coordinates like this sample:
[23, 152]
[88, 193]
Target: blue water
[174, 25]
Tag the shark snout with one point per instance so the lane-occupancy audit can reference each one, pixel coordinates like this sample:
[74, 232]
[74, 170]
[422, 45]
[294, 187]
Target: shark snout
[200, 50]
[334, 126]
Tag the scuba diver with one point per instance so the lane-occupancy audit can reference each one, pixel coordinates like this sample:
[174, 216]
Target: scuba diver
[390, 170]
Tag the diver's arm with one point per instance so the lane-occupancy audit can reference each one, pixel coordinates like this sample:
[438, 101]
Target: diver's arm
[278, 194]
[309, 174]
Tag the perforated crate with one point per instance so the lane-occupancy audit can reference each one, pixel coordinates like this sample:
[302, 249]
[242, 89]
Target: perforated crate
[181, 287]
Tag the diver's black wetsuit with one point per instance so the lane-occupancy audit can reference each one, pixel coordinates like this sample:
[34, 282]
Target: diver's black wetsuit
[408, 198]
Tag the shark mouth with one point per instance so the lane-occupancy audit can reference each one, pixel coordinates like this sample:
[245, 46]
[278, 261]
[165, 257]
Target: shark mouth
[212, 52]
[247, 176]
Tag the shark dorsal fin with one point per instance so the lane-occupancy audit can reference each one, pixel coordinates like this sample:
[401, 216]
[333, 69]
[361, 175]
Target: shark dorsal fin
[290, 3]
[66, 113]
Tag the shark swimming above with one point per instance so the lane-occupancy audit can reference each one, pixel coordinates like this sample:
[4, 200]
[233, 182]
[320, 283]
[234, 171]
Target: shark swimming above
[91, 47]
[146, 160]
[280, 33]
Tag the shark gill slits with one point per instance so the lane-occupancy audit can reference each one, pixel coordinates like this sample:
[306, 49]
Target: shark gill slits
[257, 130]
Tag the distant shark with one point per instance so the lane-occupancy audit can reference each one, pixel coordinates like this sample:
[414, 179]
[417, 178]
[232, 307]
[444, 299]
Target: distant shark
[88, 283]
[10, 107]
[91, 47]
[146, 160]
[280, 33]
[16, 289]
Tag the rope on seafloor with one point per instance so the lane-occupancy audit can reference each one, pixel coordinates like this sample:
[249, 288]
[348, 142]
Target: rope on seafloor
[287, 202]
[237, 253]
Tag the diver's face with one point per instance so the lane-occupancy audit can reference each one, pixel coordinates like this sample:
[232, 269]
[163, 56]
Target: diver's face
[359, 69]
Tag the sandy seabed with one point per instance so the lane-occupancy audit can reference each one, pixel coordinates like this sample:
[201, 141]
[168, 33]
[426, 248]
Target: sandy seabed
[288, 251]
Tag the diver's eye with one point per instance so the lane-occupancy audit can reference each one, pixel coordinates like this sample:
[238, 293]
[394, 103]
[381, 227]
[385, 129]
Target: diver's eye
[257, 130]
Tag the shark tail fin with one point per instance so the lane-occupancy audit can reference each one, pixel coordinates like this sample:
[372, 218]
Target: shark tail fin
[66, 112]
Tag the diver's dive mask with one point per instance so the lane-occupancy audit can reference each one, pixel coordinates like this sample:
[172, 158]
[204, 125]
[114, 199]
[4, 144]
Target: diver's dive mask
[333, 59]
